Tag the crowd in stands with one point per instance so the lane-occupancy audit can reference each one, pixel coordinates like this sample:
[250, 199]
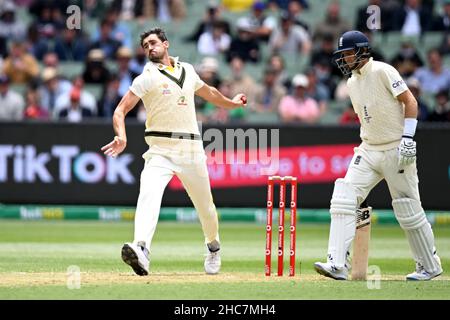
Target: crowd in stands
[265, 34]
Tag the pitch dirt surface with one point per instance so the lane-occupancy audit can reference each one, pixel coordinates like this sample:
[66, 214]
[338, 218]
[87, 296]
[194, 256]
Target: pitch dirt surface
[40, 260]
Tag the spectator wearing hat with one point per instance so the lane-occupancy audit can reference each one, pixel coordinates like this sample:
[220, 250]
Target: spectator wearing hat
[33, 108]
[52, 88]
[214, 42]
[441, 112]
[298, 106]
[414, 85]
[11, 103]
[208, 71]
[10, 27]
[126, 75]
[245, 46]
[263, 24]
[212, 15]
[435, 77]
[71, 45]
[289, 38]
[95, 70]
[333, 23]
[268, 94]
[20, 66]
[76, 112]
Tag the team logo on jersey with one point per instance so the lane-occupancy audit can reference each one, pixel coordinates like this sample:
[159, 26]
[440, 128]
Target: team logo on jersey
[397, 84]
[182, 101]
[165, 90]
[366, 115]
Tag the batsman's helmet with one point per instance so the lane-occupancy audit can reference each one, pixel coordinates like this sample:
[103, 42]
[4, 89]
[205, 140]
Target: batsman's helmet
[351, 40]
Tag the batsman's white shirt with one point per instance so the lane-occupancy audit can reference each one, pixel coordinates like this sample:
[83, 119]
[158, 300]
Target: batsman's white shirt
[373, 91]
[168, 97]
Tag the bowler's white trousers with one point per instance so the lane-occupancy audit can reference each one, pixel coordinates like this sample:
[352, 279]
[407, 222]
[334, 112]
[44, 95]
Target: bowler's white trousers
[158, 171]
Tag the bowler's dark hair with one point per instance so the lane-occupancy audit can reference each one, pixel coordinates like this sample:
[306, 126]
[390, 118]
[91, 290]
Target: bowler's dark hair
[159, 33]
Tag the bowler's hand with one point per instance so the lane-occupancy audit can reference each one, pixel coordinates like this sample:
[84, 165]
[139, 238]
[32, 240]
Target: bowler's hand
[406, 152]
[240, 100]
[115, 147]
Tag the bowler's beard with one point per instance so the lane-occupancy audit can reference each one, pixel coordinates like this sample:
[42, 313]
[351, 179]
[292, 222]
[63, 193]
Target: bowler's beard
[155, 59]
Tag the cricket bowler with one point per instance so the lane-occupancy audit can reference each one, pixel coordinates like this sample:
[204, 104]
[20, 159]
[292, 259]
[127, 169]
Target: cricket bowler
[167, 87]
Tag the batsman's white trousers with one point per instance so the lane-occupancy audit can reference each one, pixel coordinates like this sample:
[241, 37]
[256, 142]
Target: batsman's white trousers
[369, 167]
[158, 171]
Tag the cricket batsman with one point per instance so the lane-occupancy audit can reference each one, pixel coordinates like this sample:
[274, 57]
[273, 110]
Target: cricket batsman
[387, 111]
[167, 87]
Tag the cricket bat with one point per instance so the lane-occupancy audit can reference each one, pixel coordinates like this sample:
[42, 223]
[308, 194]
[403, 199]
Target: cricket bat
[360, 260]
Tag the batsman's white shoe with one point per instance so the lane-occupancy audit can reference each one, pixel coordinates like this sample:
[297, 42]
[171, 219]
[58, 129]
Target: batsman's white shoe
[423, 275]
[329, 270]
[212, 260]
[136, 256]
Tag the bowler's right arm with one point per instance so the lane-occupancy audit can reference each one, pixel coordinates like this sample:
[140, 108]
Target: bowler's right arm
[115, 147]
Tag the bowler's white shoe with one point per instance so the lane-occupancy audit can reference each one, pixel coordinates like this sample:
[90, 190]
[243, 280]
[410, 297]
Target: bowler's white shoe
[423, 275]
[212, 260]
[329, 270]
[136, 256]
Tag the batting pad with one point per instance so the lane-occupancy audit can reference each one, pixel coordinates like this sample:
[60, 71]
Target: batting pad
[343, 221]
[413, 221]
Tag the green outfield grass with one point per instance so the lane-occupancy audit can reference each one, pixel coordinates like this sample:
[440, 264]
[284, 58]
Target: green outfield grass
[35, 256]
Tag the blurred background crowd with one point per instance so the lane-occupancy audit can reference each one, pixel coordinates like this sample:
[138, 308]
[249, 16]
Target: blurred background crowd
[278, 52]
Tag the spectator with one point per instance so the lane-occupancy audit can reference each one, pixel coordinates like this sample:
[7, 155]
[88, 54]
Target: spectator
[110, 98]
[263, 24]
[268, 94]
[126, 75]
[33, 109]
[212, 15]
[208, 71]
[317, 90]
[297, 106]
[214, 42]
[414, 85]
[129, 9]
[289, 38]
[412, 19]
[10, 27]
[349, 116]
[75, 112]
[325, 53]
[240, 81]
[52, 89]
[442, 22]
[244, 45]
[276, 63]
[71, 45]
[120, 30]
[106, 43]
[139, 61]
[50, 59]
[436, 77]
[284, 4]
[11, 103]
[87, 99]
[166, 10]
[93, 9]
[48, 14]
[407, 61]
[333, 23]
[441, 111]
[95, 70]
[20, 66]
[295, 9]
